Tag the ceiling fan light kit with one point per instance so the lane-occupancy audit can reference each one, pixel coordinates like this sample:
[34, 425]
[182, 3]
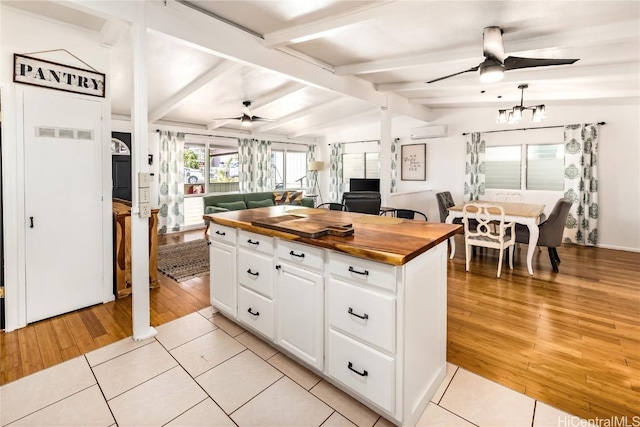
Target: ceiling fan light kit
[514, 115]
[491, 71]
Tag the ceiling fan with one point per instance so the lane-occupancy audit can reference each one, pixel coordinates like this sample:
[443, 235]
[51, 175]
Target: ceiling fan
[246, 119]
[495, 64]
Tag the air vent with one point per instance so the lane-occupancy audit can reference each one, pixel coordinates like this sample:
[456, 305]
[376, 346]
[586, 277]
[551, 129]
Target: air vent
[45, 132]
[85, 134]
[66, 133]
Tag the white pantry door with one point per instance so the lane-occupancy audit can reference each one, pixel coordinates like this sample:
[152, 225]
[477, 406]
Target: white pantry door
[63, 203]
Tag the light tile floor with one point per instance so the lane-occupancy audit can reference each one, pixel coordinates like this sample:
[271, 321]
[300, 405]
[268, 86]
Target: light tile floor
[204, 370]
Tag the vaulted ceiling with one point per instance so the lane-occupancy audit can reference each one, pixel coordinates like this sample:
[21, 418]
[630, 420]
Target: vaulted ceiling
[315, 67]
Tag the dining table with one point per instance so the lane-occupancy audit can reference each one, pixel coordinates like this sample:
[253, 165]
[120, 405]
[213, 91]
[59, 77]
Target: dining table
[521, 213]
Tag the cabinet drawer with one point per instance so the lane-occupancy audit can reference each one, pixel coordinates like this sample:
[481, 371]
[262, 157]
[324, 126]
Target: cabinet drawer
[257, 242]
[255, 271]
[222, 233]
[301, 255]
[363, 313]
[255, 311]
[362, 369]
[363, 271]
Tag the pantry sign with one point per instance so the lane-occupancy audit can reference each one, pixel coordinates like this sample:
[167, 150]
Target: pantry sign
[38, 72]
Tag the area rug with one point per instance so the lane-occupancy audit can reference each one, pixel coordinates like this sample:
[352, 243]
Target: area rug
[184, 261]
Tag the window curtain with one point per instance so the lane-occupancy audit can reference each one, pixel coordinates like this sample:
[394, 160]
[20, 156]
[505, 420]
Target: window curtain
[394, 165]
[254, 159]
[581, 183]
[335, 176]
[171, 182]
[474, 167]
[312, 176]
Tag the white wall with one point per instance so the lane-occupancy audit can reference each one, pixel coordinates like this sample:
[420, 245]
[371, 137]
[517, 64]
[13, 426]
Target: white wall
[24, 33]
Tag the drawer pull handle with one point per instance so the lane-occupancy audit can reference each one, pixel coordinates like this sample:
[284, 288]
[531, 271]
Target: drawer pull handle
[220, 233]
[251, 242]
[252, 273]
[297, 255]
[257, 313]
[364, 373]
[353, 270]
[364, 316]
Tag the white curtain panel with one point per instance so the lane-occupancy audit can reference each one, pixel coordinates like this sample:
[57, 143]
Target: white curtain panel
[581, 183]
[171, 182]
[335, 174]
[312, 176]
[394, 165]
[474, 173]
[254, 158]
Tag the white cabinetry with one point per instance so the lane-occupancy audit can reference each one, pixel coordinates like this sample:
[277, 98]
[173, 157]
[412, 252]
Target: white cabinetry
[222, 261]
[255, 280]
[300, 302]
[376, 330]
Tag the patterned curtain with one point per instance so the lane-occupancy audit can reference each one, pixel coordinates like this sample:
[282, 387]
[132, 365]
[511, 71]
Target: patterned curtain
[581, 183]
[171, 182]
[254, 158]
[474, 167]
[312, 176]
[335, 175]
[394, 165]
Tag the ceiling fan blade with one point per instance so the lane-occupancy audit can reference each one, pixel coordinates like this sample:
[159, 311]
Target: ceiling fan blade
[514, 62]
[454, 74]
[493, 46]
[227, 118]
[261, 119]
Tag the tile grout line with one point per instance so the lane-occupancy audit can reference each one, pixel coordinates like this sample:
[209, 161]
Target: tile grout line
[459, 416]
[115, 357]
[448, 384]
[102, 391]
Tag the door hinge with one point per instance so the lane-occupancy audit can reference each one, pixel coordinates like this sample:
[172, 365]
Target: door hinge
[1, 292]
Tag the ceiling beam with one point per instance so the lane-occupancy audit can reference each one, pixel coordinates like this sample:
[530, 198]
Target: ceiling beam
[345, 120]
[530, 99]
[330, 24]
[298, 115]
[216, 73]
[203, 32]
[581, 37]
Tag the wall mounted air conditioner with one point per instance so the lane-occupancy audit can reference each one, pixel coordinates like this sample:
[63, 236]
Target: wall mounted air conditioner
[427, 132]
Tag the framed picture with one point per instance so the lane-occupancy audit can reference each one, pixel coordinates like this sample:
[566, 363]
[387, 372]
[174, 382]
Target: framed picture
[412, 162]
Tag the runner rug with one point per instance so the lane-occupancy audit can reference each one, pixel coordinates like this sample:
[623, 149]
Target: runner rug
[184, 261]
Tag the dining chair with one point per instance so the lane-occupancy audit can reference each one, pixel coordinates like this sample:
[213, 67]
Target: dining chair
[484, 235]
[509, 197]
[333, 206]
[405, 213]
[367, 202]
[550, 230]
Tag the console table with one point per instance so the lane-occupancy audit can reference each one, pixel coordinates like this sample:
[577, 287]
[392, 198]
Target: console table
[122, 248]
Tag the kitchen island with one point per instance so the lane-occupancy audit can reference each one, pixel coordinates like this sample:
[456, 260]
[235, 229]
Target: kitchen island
[364, 307]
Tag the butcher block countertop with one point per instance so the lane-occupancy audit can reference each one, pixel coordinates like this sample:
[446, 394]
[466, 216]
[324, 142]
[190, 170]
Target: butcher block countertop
[389, 240]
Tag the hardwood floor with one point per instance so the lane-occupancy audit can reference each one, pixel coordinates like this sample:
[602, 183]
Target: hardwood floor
[570, 339]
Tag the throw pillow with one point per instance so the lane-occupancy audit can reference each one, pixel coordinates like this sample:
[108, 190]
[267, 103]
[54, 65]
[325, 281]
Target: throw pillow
[214, 209]
[233, 206]
[259, 203]
[280, 197]
[294, 198]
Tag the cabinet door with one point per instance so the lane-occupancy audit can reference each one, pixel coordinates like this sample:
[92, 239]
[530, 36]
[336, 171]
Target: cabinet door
[222, 259]
[300, 307]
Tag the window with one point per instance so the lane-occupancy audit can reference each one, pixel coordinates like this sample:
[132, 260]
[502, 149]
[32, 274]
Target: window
[502, 167]
[360, 165]
[544, 167]
[288, 169]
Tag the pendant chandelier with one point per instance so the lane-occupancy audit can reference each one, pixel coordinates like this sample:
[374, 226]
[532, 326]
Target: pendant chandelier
[514, 115]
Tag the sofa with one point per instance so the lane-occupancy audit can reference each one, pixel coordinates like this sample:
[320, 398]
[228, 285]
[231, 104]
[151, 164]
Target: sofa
[215, 203]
